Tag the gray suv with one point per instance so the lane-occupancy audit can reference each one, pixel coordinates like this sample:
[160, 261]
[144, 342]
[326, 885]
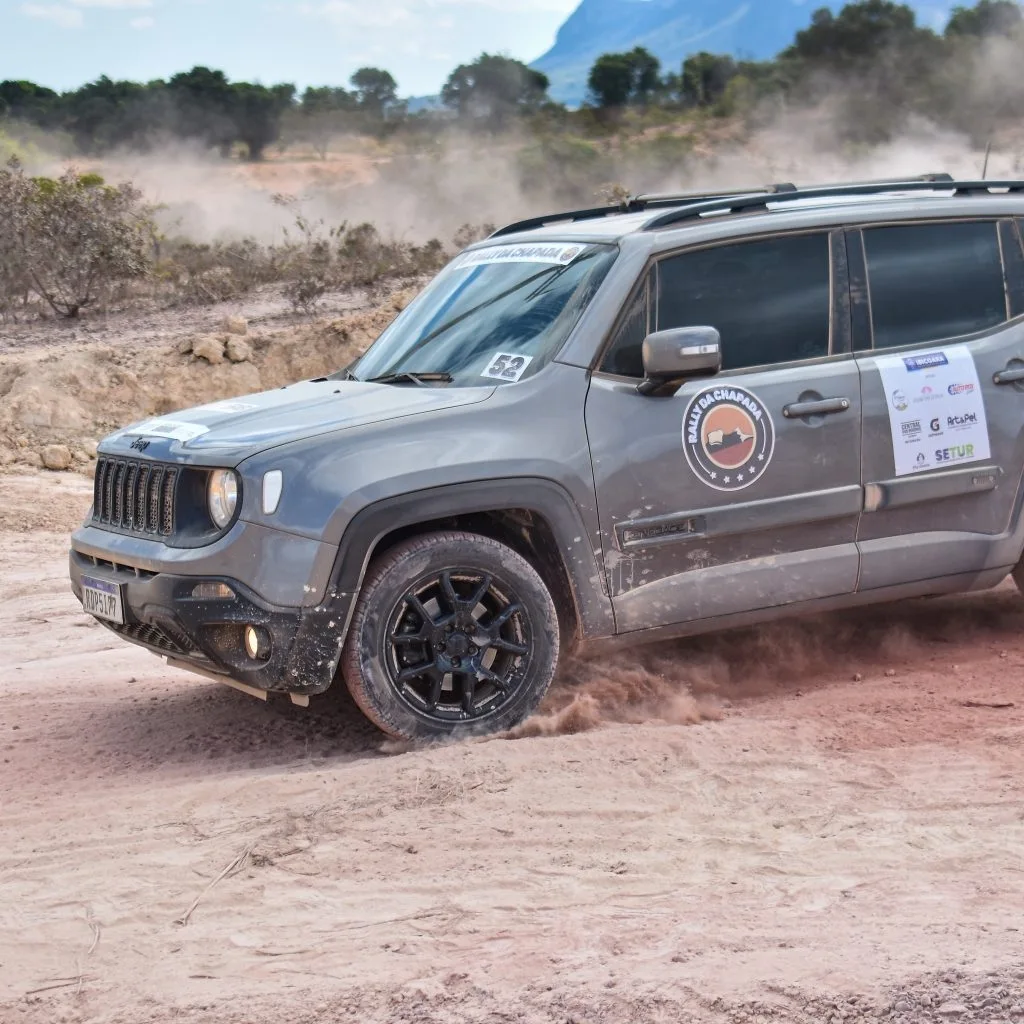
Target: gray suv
[598, 428]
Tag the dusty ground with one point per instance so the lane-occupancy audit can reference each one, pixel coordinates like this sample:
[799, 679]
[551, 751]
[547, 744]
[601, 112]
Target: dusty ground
[740, 831]
[73, 383]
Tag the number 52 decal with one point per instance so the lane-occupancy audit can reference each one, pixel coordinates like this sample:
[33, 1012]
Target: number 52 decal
[507, 366]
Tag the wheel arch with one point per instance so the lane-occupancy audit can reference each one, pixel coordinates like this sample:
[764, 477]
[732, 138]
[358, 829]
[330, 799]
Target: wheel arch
[537, 518]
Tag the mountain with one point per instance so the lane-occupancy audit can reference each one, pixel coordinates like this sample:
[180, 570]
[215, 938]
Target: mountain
[673, 29]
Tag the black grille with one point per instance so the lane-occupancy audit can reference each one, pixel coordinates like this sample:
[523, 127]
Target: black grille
[135, 496]
[153, 636]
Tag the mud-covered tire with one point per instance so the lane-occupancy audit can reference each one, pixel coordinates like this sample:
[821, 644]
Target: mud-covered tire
[492, 623]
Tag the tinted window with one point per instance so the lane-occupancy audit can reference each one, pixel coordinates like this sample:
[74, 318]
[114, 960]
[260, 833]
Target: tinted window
[934, 281]
[625, 357]
[769, 300]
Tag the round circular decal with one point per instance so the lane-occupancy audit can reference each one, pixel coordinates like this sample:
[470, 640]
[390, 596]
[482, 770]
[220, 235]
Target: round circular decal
[729, 438]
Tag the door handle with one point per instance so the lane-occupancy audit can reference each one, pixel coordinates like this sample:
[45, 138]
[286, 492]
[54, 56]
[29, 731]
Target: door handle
[1011, 375]
[824, 407]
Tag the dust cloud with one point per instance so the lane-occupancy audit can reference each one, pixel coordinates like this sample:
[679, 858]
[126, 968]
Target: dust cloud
[686, 682]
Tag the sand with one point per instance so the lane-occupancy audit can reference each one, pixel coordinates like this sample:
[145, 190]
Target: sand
[816, 822]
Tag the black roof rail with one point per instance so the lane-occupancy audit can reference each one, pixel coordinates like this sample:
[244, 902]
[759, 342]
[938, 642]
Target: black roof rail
[748, 202]
[637, 204]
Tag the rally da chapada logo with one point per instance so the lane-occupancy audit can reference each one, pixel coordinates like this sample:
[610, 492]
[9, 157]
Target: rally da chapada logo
[729, 438]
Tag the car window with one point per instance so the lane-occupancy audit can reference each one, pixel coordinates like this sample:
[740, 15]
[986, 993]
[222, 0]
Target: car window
[770, 301]
[625, 356]
[929, 282]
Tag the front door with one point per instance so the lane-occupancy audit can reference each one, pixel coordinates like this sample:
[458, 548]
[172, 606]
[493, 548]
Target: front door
[942, 347]
[741, 492]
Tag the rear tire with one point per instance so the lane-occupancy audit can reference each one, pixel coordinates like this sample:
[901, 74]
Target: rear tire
[454, 635]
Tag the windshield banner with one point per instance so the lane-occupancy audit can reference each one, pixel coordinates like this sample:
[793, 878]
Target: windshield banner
[557, 255]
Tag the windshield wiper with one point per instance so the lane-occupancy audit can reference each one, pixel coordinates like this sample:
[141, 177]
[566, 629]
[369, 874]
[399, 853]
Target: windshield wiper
[423, 379]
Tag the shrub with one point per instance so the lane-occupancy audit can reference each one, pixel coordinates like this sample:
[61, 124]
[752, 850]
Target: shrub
[71, 239]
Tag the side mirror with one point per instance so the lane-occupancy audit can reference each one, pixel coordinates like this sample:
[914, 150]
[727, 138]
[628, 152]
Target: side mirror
[671, 357]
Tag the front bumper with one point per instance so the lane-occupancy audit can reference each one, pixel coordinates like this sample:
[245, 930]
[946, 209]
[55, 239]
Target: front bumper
[162, 616]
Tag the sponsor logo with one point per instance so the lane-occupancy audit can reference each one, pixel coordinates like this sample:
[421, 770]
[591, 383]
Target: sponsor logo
[140, 444]
[929, 362]
[969, 419]
[899, 401]
[729, 438]
[960, 389]
[921, 458]
[927, 390]
[936, 425]
[955, 453]
[911, 428]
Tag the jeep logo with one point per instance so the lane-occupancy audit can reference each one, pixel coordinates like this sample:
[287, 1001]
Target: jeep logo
[140, 444]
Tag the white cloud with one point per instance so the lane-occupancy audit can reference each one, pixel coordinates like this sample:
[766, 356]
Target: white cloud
[63, 17]
[113, 4]
[142, 23]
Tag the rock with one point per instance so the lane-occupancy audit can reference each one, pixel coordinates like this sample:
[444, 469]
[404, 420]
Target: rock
[184, 347]
[951, 1010]
[209, 348]
[56, 456]
[235, 325]
[90, 448]
[238, 351]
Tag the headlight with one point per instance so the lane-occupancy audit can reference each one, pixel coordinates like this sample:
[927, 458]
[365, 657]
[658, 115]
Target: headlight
[222, 496]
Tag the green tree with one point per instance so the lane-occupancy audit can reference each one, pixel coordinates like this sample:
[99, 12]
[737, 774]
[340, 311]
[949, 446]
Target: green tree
[611, 80]
[494, 88]
[104, 114]
[617, 79]
[646, 73]
[256, 112]
[705, 78]
[857, 34]
[26, 101]
[376, 91]
[323, 113]
[987, 18]
[203, 103]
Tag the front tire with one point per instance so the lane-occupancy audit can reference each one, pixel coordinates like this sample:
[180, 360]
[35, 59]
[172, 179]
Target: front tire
[454, 635]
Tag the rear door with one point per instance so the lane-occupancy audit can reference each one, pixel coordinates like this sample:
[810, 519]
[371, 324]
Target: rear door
[938, 322]
[741, 492]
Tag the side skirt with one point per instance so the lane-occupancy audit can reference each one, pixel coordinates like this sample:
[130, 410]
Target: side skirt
[961, 583]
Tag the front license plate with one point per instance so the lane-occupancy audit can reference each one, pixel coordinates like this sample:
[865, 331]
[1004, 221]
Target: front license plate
[102, 599]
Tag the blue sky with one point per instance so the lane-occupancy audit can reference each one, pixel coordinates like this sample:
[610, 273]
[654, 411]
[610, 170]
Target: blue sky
[64, 43]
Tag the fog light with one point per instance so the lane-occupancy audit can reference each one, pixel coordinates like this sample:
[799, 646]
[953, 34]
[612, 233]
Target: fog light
[212, 592]
[257, 643]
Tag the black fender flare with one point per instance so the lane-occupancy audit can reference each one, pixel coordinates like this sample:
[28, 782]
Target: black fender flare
[544, 498]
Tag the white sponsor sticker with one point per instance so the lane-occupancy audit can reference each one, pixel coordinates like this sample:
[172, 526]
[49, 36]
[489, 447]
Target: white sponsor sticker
[173, 429]
[936, 410]
[556, 255]
[507, 366]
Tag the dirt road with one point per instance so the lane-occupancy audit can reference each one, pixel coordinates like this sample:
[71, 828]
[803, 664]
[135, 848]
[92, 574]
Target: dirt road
[739, 831]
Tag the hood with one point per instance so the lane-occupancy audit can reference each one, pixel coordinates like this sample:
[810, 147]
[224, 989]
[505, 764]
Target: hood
[240, 427]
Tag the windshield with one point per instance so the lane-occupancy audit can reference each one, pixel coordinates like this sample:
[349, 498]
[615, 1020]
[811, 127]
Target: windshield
[497, 314]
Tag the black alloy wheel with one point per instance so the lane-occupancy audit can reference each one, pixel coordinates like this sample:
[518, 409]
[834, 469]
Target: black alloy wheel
[453, 634]
[458, 644]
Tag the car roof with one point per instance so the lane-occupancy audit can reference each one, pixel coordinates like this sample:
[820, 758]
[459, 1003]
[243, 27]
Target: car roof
[775, 206]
